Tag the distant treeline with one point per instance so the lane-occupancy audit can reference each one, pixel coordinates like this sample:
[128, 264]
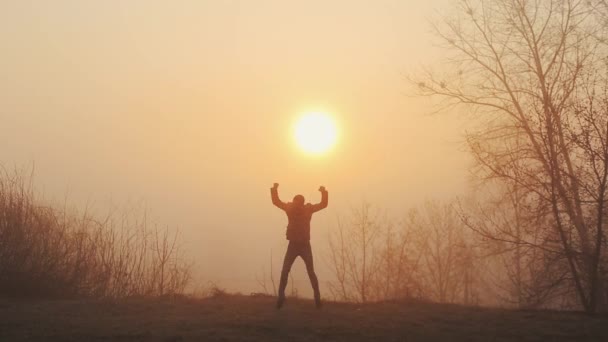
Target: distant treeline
[473, 252]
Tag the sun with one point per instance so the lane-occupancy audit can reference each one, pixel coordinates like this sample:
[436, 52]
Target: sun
[315, 133]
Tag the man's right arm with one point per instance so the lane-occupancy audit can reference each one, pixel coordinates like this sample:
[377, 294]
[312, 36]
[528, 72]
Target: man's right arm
[274, 195]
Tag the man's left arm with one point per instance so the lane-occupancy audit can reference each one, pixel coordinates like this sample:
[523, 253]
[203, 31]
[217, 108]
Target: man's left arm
[324, 200]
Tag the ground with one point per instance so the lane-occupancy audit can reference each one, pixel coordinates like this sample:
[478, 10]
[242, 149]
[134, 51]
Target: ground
[246, 318]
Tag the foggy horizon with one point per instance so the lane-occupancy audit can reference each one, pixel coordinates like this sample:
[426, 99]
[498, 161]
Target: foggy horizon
[187, 111]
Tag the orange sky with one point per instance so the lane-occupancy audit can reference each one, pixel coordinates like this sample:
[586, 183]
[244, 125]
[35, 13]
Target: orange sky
[187, 106]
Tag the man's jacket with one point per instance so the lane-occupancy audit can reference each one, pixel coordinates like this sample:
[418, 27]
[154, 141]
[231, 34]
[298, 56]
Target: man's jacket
[298, 227]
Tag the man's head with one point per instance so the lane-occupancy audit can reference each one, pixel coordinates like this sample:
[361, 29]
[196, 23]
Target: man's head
[298, 200]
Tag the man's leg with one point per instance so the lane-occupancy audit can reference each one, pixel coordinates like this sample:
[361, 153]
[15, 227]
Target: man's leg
[290, 257]
[310, 268]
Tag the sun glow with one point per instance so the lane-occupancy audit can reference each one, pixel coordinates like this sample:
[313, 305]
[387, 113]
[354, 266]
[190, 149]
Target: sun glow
[316, 133]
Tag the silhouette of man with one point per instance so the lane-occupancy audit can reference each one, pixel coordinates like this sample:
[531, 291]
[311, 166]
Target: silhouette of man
[299, 214]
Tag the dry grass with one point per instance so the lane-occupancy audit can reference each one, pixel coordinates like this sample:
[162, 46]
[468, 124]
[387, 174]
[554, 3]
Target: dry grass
[244, 318]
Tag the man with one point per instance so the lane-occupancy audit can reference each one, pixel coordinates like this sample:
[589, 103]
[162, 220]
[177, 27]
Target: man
[299, 214]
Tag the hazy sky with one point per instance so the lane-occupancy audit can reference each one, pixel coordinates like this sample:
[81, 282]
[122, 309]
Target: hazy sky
[188, 106]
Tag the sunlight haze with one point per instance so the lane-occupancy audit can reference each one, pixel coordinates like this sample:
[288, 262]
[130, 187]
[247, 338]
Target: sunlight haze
[186, 108]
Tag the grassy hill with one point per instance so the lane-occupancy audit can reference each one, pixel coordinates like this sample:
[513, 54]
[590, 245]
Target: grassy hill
[244, 318]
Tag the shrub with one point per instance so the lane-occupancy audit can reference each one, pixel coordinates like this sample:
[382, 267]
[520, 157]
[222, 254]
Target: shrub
[53, 252]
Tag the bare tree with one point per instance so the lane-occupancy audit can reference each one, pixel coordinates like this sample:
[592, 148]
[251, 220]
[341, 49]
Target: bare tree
[339, 253]
[522, 261]
[520, 67]
[263, 281]
[398, 261]
[446, 269]
[353, 256]
[372, 258]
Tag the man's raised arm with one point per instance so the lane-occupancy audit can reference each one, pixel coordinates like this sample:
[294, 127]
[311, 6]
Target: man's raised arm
[274, 194]
[324, 200]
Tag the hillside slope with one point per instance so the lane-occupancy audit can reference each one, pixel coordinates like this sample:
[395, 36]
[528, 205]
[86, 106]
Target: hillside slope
[243, 318]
